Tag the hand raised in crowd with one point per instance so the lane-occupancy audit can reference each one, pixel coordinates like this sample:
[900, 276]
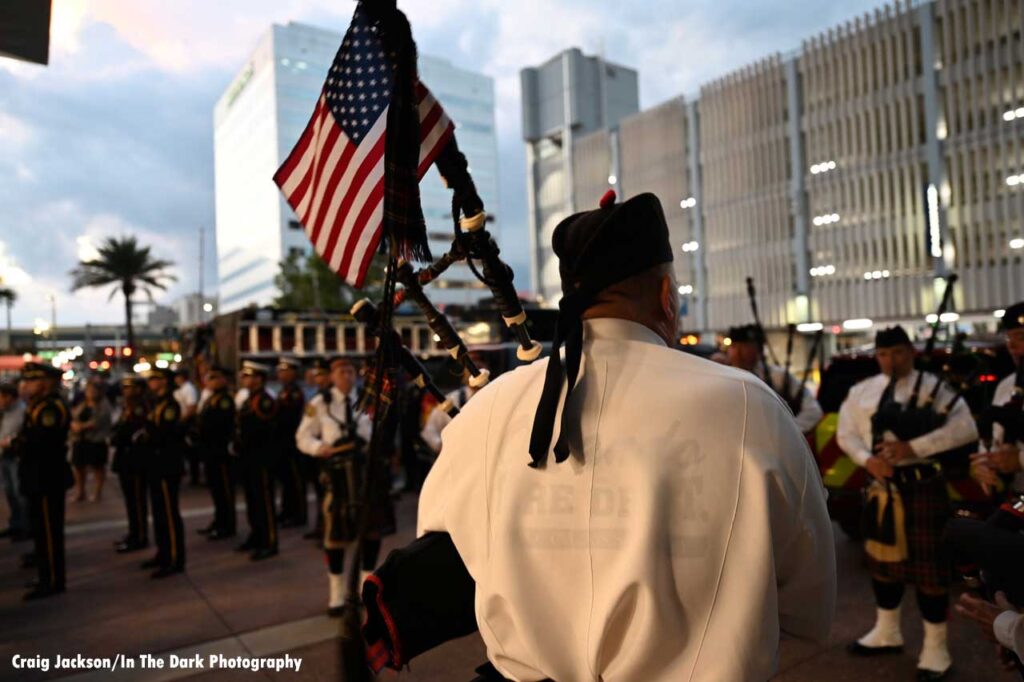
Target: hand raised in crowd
[879, 468]
[983, 612]
[983, 473]
[894, 451]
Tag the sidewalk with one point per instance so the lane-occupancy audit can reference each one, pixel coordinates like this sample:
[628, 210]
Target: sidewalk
[227, 604]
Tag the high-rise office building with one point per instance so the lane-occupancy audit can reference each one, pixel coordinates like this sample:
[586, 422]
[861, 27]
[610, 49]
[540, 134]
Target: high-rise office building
[847, 177]
[260, 117]
[564, 99]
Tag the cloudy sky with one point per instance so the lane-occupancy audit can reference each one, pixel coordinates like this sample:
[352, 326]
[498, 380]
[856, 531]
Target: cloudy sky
[114, 137]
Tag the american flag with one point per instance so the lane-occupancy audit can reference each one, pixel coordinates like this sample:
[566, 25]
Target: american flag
[334, 177]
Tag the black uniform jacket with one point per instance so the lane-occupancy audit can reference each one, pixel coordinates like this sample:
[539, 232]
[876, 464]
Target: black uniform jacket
[42, 447]
[257, 430]
[215, 424]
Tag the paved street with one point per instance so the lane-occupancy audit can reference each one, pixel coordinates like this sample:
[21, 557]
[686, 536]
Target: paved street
[227, 604]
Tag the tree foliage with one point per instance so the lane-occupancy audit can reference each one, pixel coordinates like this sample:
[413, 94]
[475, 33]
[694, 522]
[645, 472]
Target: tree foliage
[306, 282]
[128, 267]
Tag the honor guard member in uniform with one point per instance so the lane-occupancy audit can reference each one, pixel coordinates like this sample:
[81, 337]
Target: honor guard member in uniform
[163, 440]
[679, 523]
[291, 403]
[335, 432]
[908, 505]
[258, 451]
[129, 462]
[1006, 458]
[745, 352]
[42, 449]
[215, 425]
[320, 372]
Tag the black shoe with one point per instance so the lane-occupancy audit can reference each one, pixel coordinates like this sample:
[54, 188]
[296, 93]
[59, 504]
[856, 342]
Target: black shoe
[42, 592]
[125, 540]
[151, 563]
[292, 523]
[858, 649]
[218, 534]
[165, 571]
[931, 675]
[132, 546]
[247, 546]
[207, 530]
[263, 553]
[335, 611]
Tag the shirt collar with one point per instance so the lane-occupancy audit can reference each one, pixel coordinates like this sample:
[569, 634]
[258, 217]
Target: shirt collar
[616, 329]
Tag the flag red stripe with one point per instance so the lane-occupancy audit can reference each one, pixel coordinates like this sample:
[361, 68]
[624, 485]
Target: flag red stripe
[285, 171]
[296, 196]
[332, 187]
[428, 122]
[302, 198]
[438, 146]
[324, 152]
[374, 157]
[368, 256]
[376, 196]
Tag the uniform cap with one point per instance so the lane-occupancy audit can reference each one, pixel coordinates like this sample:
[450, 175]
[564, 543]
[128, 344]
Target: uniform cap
[250, 368]
[891, 337]
[1013, 318]
[747, 333]
[288, 363]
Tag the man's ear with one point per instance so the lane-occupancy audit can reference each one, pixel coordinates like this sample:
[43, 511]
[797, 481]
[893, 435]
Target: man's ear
[666, 298]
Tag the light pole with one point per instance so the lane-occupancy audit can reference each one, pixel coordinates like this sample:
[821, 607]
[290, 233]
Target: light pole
[52, 298]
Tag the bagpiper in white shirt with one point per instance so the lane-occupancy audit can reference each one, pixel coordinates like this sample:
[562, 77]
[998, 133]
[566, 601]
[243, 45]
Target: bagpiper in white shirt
[744, 352]
[682, 527]
[323, 425]
[911, 485]
[439, 419]
[1000, 456]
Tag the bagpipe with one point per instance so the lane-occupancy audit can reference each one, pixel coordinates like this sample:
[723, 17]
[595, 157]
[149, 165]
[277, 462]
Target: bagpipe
[792, 395]
[422, 595]
[920, 414]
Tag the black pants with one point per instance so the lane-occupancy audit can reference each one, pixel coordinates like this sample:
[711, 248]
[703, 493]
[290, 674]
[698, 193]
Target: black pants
[293, 487]
[167, 525]
[133, 488]
[222, 489]
[259, 505]
[46, 512]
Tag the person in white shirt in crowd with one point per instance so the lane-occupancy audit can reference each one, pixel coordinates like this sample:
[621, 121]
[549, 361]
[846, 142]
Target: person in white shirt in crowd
[909, 482]
[679, 525]
[12, 415]
[439, 419]
[1002, 457]
[745, 352]
[335, 431]
[187, 396]
[242, 394]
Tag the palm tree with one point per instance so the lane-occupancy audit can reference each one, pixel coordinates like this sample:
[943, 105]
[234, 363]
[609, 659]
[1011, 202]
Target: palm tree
[128, 266]
[8, 296]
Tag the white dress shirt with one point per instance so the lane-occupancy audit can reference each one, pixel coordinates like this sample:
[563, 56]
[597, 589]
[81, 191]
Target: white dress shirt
[1003, 394]
[187, 397]
[810, 411]
[438, 419]
[854, 430]
[687, 529]
[322, 423]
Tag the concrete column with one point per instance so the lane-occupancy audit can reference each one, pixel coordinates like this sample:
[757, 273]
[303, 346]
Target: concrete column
[935, 210]
[533, 222]
[697, 215]
[797, 185]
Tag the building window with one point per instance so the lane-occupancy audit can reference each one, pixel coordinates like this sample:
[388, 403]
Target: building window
[294, 225]
[296, 252]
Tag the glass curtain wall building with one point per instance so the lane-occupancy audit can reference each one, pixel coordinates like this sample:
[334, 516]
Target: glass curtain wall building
[258, 120]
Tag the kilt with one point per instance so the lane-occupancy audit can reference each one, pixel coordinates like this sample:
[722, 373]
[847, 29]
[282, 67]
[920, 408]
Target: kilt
[342, 478]
[926, 512]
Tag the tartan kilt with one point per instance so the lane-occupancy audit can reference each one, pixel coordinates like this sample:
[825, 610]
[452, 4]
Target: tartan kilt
[927, 510]
[342, 480]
